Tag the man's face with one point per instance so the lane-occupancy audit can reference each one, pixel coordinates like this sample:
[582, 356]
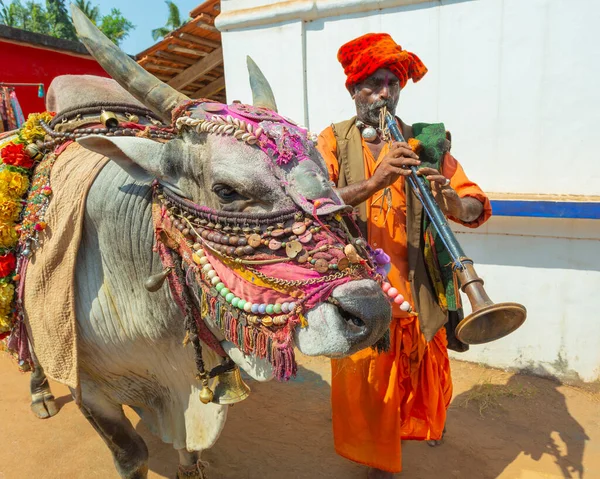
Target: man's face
[382, 88]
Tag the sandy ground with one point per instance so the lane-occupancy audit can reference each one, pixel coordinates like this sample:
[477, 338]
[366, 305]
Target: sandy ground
[500, 426]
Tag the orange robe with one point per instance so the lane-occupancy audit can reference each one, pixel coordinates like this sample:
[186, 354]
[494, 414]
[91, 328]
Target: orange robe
[379, 399]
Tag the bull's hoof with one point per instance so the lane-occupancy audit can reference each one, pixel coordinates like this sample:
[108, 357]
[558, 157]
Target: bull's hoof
[191, 472]
[140, 473]
[44, 406]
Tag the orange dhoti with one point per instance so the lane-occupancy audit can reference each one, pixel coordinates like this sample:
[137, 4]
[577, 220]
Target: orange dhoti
[381, 398]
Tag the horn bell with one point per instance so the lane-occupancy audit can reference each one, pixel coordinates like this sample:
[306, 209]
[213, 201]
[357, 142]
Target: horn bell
[262, 94]
[231, 388]
[488, 321]
[156, 95]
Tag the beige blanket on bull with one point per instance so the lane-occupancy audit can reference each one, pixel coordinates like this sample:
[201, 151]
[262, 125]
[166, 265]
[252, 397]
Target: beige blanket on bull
[49, 295]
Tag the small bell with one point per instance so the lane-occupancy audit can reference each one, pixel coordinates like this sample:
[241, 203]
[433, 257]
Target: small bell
[133, 118]
[206, 395]
[34, 152]
[231, 388]
[109, 119]
[155, 282]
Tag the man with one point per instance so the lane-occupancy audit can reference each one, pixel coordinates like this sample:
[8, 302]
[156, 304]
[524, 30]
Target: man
[378, 399]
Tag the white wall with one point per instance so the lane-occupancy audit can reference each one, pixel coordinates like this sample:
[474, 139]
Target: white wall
[516, 81]
[551, 266]
[282, 66]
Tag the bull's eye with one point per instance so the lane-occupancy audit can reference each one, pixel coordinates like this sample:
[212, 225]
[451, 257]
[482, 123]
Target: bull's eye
[226, 193]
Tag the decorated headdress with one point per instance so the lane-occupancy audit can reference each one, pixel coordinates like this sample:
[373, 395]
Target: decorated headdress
[257, 275]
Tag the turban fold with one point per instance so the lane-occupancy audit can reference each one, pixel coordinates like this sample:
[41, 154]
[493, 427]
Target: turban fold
[364, 55]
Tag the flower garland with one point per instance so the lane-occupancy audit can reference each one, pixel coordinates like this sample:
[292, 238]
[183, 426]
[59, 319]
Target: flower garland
[18, 158]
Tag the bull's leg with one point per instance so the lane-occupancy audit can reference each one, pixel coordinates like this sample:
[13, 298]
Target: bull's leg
[42, 400]
[129, 450]
[190, 465]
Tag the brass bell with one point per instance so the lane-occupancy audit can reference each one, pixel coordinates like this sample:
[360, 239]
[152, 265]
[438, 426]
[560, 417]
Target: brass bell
[155, 282]
[206, 394]
[231, 388]
[109, 119]
[133, 118]
[34, 152]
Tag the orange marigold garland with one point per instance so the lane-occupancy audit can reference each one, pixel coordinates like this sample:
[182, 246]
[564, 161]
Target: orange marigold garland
[18, 156]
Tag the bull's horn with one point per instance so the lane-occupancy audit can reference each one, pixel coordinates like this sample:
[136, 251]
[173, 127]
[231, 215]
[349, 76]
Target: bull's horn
[262, 94]
[156, 95]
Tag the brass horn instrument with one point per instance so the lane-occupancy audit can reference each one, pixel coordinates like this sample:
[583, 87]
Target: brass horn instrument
[488, 321]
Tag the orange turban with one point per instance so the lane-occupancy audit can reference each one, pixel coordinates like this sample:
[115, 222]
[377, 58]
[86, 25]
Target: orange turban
[364, 55]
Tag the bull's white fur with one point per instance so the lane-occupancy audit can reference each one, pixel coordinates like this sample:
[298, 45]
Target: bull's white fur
[130, 345]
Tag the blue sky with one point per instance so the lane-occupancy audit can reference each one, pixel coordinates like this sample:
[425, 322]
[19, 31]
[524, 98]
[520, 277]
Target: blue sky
[145, 15]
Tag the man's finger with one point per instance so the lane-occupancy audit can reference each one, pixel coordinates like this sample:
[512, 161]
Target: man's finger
[405, 172]
[439, 179]
[399, 171]
[403, 151]
[403, 162]
[449, 193]
[399, 144]
[426, 171]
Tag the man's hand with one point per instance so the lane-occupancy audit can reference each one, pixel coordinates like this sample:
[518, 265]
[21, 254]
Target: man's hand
[395, 163]
[445, 196]
[466, 209]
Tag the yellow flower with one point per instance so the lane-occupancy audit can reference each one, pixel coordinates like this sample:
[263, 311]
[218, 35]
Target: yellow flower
[32, 130]
[7, 292]
[5, 324]
[9, 209]
[8, 235]
[13, 184]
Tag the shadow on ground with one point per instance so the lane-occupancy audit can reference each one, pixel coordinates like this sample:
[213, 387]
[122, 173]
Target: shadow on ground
[284, 430]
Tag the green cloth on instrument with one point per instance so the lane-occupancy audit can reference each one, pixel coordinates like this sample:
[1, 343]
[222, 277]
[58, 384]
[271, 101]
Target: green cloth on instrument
[434, 145]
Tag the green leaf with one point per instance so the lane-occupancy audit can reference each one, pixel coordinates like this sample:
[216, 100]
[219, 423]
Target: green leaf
[115, 26]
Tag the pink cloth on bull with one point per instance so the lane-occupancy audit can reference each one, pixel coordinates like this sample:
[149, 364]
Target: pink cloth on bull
[314, 294]
[244, 289]
[288, 272]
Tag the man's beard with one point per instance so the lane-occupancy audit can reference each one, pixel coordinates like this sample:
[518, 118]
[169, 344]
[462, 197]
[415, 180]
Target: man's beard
[370, 113]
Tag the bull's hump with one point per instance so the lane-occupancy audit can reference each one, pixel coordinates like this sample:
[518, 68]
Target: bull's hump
[68, 92]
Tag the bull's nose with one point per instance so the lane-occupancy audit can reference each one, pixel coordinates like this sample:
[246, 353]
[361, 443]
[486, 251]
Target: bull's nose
[363, 303]
[359, 317]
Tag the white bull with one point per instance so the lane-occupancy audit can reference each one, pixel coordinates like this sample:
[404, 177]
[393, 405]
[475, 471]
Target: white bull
[130, 340]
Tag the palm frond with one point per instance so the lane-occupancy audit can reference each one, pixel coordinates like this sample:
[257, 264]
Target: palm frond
[174, 19]
[160, 32]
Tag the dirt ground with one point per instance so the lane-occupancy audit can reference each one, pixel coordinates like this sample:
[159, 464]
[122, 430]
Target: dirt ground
[499, 426]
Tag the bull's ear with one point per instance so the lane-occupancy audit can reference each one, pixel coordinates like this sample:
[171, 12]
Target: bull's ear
[139, 157]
